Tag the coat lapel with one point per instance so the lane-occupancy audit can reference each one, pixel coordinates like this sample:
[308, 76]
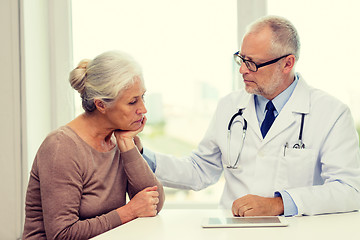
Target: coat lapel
[299, 102]
[250, 116]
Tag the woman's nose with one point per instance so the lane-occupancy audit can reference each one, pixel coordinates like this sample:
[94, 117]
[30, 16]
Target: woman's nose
[142, 109]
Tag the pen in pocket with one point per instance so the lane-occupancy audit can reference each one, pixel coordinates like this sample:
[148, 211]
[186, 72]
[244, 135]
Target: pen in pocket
[285, 146]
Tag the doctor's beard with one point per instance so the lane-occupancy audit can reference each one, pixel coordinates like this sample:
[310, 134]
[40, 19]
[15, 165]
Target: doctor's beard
[267, 88]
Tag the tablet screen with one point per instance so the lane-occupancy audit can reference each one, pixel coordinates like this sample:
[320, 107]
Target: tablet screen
[243, 222]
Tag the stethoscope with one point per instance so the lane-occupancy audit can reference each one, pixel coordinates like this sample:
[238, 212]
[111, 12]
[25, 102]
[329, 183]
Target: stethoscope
[299, 145]
[239, 113]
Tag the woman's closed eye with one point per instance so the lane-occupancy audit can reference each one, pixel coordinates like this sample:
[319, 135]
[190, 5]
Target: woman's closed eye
[135, 100]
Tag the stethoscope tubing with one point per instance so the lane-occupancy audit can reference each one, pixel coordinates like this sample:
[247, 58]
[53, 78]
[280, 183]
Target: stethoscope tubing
[239, 113]
[299, 145]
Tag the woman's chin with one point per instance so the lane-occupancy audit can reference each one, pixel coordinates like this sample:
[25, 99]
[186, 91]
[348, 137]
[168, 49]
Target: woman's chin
[135, 126]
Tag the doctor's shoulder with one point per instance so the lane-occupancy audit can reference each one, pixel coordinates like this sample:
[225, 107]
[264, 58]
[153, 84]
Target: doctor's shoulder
[324, 103]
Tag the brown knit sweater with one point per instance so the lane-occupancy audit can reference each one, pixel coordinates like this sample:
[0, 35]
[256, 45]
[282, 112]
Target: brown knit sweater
[74, 190]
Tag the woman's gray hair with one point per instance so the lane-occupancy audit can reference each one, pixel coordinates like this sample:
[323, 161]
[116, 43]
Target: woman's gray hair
[285, 38]
[104, 77]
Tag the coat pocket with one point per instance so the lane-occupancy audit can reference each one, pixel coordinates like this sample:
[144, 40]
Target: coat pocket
[296, 168]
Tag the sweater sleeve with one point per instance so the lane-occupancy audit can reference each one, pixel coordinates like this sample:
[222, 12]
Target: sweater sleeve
[140, 175]
[60, 172]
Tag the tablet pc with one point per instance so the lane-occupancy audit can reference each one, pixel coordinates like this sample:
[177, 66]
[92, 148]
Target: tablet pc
[239, 222]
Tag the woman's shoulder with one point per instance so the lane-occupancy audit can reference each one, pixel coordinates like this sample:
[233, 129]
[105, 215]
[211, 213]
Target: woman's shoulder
[63, 135]
[61, 143]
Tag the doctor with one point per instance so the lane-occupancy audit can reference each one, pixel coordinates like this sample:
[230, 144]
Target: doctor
[284, 147]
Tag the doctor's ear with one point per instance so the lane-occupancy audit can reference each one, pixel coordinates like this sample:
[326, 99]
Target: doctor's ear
[100, 105]
[289, 63]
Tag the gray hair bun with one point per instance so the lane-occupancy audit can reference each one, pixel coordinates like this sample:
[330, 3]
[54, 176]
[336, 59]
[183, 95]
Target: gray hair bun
[77, 76]
[104, 77]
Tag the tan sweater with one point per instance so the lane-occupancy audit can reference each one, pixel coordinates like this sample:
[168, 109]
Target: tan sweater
[74, 190]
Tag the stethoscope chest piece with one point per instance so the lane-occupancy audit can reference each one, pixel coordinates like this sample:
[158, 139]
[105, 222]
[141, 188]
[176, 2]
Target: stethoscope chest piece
[300, 144]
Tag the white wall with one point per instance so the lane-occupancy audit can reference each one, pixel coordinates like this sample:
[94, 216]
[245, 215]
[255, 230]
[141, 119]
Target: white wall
[35, 61]
[10, 122]
[248, 11]
[47, 58]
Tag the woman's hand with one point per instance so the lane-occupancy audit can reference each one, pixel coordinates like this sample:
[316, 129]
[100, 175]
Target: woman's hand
[143, 204]
[125, 138]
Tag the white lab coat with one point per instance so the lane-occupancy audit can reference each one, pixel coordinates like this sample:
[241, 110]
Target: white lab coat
[322, 178]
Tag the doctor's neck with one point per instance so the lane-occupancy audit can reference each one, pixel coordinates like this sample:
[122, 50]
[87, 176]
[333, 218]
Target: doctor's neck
[282, 85]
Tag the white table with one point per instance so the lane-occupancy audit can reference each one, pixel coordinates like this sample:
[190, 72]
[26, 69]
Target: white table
[185, 224]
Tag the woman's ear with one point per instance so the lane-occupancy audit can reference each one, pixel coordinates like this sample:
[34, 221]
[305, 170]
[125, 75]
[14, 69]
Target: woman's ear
[100, 106]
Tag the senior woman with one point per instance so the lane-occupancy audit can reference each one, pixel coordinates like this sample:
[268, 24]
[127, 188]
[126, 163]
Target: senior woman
[83, 170]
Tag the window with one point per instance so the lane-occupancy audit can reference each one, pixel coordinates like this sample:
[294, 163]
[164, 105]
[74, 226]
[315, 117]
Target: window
[330, 36]
[185, 49]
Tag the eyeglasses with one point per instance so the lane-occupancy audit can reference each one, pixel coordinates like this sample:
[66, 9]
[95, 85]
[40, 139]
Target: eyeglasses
[253, 66]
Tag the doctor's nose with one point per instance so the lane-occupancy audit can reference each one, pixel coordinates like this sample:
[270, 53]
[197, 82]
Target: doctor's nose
[243, 69]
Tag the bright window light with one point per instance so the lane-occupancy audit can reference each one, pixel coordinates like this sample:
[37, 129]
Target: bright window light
[329, 34]
[185, 48]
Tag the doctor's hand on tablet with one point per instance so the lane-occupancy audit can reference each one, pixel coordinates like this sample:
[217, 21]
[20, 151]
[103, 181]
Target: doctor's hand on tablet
[253, 205]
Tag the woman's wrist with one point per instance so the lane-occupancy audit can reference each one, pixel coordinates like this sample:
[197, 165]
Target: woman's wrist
[138, 144]
[125, 144]
[125, 214]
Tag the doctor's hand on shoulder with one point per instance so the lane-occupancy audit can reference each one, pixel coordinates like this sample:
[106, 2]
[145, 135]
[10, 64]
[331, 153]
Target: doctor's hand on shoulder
[253, 205]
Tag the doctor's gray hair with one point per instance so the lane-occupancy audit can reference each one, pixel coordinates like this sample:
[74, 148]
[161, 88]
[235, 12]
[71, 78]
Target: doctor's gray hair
[104, 77]
[285, 38]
